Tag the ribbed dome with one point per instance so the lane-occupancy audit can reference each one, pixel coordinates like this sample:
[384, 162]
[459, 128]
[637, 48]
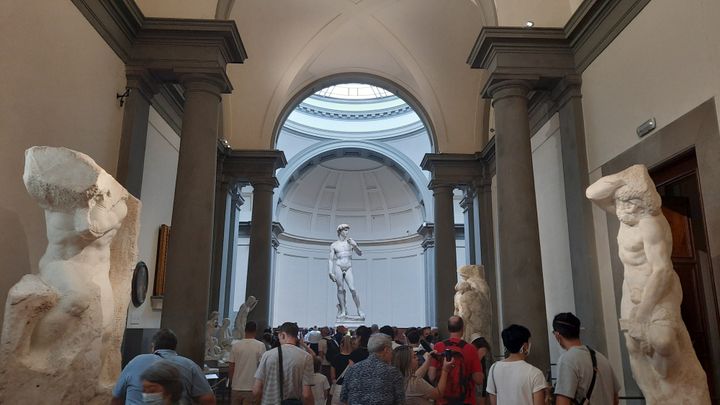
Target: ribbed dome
[371, 197]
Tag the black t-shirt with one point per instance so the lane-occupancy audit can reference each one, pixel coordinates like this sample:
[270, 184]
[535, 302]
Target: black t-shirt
[340, 363]
[359, 354]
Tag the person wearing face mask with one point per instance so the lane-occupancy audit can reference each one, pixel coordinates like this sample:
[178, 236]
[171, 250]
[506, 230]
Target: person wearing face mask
[513, 381]
[161, 385]
[583, 374]
[128, 388]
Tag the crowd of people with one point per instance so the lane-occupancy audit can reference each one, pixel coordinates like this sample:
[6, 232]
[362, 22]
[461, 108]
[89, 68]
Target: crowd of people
[375, 366]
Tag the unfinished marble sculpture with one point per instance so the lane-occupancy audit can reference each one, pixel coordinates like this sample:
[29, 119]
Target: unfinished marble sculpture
[63, 327]
[224, 336]
[472, 301]
[242, 317]
[213, 351]
[662, 358]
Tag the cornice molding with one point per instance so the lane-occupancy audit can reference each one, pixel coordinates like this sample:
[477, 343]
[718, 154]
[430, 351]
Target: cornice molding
[165, 47]
[595, 24]
[253, 166]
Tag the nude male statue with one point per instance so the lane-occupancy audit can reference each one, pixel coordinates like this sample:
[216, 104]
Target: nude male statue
[340, 269]
[662, 358]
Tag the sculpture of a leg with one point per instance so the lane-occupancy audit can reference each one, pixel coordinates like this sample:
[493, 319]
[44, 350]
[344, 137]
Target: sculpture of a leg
[340, 284]
[351, 285]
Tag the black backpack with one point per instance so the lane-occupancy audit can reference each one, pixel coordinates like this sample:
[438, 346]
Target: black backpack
[332, 349]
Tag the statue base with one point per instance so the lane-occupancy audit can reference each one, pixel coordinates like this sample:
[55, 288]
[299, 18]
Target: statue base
[350, 321]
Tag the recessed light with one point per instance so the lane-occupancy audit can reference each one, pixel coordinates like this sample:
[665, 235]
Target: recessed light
[529, 24]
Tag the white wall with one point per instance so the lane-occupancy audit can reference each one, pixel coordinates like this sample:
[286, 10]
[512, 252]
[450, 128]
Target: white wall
[553, 225]
[665, 63]
[389, 279]
[157, 195]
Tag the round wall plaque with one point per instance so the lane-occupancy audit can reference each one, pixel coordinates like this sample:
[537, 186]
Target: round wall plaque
[139, 284]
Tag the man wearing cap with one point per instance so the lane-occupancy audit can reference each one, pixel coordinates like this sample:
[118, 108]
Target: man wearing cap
[583, 374]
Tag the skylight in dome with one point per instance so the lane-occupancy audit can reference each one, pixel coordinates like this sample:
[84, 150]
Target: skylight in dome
[354, 91]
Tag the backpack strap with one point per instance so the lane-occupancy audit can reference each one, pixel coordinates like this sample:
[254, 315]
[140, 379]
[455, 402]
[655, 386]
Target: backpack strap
[280, 370]
[593, 357]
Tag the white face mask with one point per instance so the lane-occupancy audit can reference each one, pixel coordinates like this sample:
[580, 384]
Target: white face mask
[527, 351]
[153, 398]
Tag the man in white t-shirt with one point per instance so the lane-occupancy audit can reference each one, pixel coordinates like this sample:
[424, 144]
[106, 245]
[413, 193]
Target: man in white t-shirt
[575, 367]
[245, 356]
[513, 381]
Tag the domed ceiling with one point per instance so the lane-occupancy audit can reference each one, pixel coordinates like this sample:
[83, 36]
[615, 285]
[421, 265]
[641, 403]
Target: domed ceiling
[374, 199]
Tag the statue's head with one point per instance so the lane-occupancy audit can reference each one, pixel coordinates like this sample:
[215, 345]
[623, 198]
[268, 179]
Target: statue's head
[637, 197]
[471, 270]
[63, 180]
[250, 300]
[343, 227]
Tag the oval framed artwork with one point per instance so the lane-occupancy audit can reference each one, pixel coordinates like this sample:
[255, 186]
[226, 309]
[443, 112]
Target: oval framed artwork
[139, 284]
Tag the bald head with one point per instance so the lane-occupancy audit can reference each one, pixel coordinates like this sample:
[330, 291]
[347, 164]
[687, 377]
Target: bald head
[456, 324]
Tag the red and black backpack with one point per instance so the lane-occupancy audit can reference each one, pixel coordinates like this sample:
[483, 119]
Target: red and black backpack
[457, 379]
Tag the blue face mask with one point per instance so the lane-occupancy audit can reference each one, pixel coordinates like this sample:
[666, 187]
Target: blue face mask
[153, 398]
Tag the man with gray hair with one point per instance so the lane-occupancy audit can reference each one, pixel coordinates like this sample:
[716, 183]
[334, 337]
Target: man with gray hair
[374, 381]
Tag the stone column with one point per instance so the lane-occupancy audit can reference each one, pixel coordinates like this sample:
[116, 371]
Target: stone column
[581, 230]
[485, 239]
[445, 253]
[428, 245]
[522, 294]
[190, 251]
[260, 251]
[220, 241]
[468, 207]
[136, 109]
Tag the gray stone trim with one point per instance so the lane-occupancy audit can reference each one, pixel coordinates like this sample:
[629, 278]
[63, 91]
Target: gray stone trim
[595, 24]
[169, 102]
[118, 22]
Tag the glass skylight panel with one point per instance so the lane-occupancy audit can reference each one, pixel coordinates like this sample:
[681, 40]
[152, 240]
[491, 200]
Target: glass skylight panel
[354, 91]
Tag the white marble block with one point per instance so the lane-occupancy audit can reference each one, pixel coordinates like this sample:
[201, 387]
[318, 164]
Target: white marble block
[472, 301]
[63, 326]
[662, 358]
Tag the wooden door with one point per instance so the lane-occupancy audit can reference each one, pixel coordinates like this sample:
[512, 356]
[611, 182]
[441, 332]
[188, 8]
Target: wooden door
[678, 186]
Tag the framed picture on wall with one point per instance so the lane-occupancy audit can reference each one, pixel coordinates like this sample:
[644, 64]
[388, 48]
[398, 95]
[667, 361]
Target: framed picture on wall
[161, 264]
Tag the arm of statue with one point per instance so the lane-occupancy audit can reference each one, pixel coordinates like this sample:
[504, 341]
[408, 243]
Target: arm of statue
[354, 246]
[331, 265]
[655, 231]
[602, 192]
[252, 305]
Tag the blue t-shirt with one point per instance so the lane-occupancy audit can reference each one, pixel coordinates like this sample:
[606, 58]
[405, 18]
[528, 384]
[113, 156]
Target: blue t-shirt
[129, 385]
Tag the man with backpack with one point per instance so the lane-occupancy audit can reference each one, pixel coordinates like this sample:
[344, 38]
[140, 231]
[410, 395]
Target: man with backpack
[584, 376]
[467, 371]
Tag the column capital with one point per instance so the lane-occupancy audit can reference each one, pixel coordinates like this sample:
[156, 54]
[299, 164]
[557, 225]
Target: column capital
[264, 183]
[276, 230]
[426, 230]
[509, 88]
[140, 80]
[202, 82]
[452, 169]
[254, 166]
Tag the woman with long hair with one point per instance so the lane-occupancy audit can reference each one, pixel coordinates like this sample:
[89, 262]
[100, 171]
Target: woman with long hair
[338, 366]
[417, 390]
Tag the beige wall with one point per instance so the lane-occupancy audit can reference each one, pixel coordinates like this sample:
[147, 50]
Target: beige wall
[665, 63]
[544, 13]
[58, 86]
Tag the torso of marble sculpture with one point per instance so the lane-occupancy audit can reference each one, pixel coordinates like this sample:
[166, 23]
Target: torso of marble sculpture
[242, 317]
[662, 358]
[472, 301]
[63, 327]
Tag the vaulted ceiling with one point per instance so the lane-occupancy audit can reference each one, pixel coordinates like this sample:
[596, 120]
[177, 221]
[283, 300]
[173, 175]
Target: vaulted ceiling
[417, 47]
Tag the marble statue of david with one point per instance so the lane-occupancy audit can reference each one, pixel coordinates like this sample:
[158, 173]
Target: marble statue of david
[340, 270]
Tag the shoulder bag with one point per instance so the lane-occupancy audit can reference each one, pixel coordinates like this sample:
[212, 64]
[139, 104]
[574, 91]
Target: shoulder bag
[283, 401]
